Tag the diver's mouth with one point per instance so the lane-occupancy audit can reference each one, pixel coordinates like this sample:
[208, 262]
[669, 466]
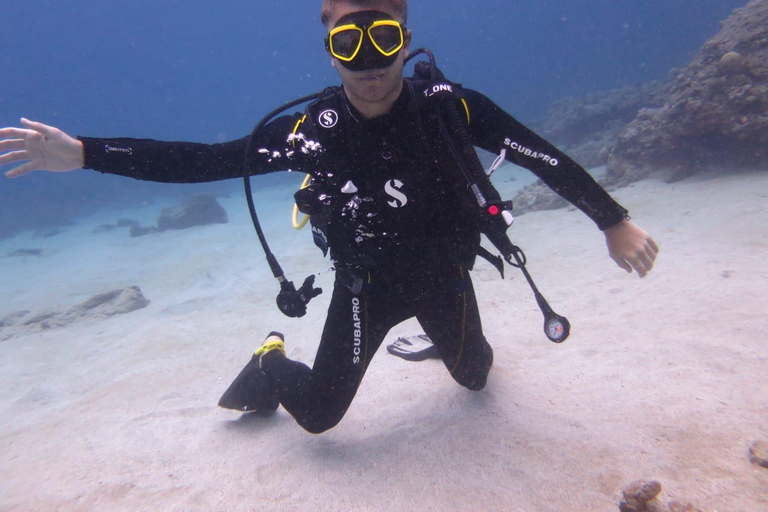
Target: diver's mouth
[371, 77]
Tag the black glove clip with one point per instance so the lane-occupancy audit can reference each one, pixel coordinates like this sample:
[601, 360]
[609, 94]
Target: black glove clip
[293, 302]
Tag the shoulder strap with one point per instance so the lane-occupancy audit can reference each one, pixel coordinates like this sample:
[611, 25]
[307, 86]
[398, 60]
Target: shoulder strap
[328, 122]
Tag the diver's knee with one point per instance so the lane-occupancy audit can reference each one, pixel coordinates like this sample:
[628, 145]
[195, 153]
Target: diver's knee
[475, 384]
[475, 376]
[320, 423]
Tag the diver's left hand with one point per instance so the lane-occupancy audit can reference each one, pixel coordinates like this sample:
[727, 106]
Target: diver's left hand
[631, 247]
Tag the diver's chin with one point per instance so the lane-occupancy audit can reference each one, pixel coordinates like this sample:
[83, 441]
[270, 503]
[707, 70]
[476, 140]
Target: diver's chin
[369, 93]
[372, 86]
[372, 76]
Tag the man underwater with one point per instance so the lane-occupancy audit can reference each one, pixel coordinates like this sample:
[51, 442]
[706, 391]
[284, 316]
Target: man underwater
[398, 220]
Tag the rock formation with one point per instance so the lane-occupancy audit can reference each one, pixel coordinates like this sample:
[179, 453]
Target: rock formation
[644, 496]
[758, 454]
[103, 305]
[587, 128]
[715, 111]
[197, 210]
[640, 496]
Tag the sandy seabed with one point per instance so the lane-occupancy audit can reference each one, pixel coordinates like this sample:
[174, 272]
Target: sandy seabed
[662, 378]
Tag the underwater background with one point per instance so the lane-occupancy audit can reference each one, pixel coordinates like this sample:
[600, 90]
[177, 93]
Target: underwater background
[208, 71]
[114, 350]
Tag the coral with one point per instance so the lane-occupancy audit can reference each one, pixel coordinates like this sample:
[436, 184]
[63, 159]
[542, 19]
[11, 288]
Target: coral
[714, 112]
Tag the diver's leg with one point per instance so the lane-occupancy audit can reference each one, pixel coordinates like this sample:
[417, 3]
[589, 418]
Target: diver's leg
[356, 325]
[451, 319]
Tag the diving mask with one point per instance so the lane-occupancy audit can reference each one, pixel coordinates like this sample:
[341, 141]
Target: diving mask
[366, 40]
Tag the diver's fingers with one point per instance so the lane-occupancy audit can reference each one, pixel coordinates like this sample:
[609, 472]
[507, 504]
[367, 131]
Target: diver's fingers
[639, 267]
[653, 246]
[13, 156]
[651, 253]
[48, 132]
[645, 262]
[13, 133]
[621, 262]
[22, 169]
[641, 263]
[648, 254]
[11, 144]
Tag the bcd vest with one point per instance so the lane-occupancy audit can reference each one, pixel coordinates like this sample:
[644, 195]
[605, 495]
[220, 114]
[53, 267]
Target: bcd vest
[386, 190]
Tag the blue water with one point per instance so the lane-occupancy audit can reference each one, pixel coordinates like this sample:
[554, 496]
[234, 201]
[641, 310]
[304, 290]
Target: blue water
[207, 71]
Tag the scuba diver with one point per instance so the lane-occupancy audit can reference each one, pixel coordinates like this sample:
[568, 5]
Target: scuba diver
[389, 199]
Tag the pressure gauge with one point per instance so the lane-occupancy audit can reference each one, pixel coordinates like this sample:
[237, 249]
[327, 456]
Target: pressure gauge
[557, 328]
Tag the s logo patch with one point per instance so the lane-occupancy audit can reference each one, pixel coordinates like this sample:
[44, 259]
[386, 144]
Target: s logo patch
[328, 118]
[392, 188]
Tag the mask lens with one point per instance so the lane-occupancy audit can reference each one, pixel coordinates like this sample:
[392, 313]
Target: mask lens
[346, 42]
[387, 38]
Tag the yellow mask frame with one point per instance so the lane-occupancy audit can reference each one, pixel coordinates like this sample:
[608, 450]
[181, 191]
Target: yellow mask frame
[371, 35]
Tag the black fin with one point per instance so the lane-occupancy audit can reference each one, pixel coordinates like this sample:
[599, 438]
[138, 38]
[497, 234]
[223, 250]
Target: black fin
[251, 390]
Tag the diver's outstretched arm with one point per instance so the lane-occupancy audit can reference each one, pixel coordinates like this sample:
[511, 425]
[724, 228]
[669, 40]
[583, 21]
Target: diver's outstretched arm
[631, 247]
[43, 147]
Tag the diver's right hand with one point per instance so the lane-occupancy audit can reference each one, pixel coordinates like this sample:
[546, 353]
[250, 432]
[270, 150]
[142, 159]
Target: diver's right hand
[44, 147]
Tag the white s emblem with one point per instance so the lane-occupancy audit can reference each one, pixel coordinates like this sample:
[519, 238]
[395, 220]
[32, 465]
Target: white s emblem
[392, 188]
[328, 118]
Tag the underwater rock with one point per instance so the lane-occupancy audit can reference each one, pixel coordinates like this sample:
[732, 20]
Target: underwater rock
[103, 305]
[732, 63]
[714, 112]
[126, 223]
[677, 506]
[121, 223]
[137, 231]
[640, 496]
[47, 232]
[537, 197]
[13, 318]
[197, 210]
[116, 302]
[587, 128]
[104, 228]
[42, 319]
[758, 454]
[643, 496]
[24, 253]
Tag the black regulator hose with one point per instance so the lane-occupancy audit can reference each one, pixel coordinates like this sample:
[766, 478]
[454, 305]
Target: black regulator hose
[290, 301]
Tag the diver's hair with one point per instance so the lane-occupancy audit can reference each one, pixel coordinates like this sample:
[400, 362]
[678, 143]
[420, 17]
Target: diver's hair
[399, 6]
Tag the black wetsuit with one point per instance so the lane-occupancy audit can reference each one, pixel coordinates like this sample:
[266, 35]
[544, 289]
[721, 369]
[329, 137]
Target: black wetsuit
[402, 225]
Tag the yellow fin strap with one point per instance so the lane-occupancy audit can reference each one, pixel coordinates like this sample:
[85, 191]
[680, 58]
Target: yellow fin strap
[270, 345]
